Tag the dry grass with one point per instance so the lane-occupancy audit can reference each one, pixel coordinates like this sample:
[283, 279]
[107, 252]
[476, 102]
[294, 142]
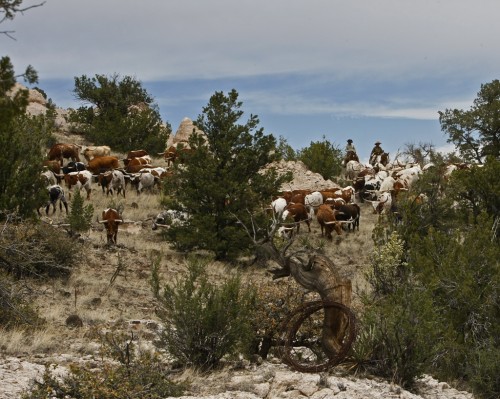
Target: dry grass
[110, 285]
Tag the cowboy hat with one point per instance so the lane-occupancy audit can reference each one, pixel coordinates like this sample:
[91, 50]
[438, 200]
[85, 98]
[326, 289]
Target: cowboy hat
[349, 141]
[378, 142]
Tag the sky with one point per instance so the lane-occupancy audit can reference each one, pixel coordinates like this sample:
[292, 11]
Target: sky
[366, 70]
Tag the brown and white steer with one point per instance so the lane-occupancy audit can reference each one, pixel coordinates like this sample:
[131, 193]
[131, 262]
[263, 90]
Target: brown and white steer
[136, 154]
[81, 179]
[327, 221]
[144, 160]
[111, 219]
[296, 214]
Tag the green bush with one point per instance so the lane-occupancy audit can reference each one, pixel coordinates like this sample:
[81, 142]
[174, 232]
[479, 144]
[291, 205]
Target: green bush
[15, 307]
[484, 370]
[205, 322]
[37, 250]
[80, 215]
[133, 375]
[322, 157]
[275, 302]
[401, 331]
[400, 324]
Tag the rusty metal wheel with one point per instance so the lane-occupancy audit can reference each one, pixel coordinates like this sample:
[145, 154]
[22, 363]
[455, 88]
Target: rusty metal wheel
[301, 340]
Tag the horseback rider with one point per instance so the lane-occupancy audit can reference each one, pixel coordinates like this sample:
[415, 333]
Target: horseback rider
[350, 148]
[377, 150]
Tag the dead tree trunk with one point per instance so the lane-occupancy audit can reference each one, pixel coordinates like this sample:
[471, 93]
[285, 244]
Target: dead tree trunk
[315, 273]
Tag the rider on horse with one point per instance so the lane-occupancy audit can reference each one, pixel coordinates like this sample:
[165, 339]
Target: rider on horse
[377, 150]
[350, 152]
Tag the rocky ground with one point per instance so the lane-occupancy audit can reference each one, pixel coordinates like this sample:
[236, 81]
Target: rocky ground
[269, 380]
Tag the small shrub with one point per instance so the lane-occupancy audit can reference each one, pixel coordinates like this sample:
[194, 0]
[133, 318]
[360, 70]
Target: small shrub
[80, 215]
[37, 250]
[403, 329]
[276, 300]
[388, 270]
[484, 371]
[15, 307]
[204, 321]
[133, 375]
[400, 326]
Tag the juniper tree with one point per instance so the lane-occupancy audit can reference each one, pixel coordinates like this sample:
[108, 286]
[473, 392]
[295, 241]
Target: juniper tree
[121, 113]
[224, 179]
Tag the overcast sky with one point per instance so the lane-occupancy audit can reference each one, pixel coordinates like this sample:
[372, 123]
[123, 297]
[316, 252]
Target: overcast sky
[362, 69]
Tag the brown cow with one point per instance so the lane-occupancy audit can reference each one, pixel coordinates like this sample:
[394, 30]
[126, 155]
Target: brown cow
[63, 150]
[175, 154]
[54, 166]
[102, 164]
[298, 213]
[327, 221]
[111, 219]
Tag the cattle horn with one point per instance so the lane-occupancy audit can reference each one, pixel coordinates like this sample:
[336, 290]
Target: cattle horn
[332, 222]
[161, 225]
[116, 220]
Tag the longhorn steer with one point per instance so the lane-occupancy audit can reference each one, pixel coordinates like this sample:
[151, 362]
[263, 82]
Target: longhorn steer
[63, 150]
[73, 167]
[112, 180]
[50, 177]
[349, 214]
[277, 207]
[54, 166]
[79, 179]
[96, 151]
[328, 222]
[56, 193]
[102, 164]
[315, 199]
[137, 153]
[111, 219]
[144, 160]
[143, 181]
[175, 153]
[298, 213]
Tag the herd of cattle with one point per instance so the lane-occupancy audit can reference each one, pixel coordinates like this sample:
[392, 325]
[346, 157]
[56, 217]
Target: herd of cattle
[105, 170]
[335, 209]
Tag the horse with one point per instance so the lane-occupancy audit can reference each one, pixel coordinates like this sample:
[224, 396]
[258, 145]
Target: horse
[382, 159]
[352, 169]
[350, 156]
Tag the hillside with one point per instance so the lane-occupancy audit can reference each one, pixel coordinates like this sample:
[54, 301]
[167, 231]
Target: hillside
[109, 290]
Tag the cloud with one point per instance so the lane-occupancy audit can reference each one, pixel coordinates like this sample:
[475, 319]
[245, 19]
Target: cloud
[387, 39]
